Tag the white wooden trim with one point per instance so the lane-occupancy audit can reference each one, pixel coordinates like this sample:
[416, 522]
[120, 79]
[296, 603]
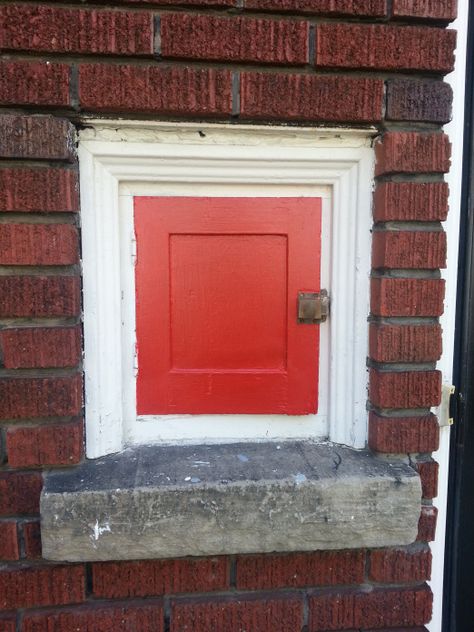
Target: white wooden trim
[122, 159]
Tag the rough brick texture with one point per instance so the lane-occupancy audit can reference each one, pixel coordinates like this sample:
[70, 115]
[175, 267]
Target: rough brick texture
[427, 523]
[407, 297]
[242, 39]
[9, 541]
[31, 398]
[40, 347]
[39, 296]
[411, 201]
[119, 617]
[8, 623]
[147, 578]
[395, 566]
[405, 343]
[264, 615]
[38, 244]
[377, 609]
[412, 152]
[428, 9]
[383, 47]
[36, 138]
[34, 83]
[52, 29]
[358, 8]
[153, 89]
[32, 539]
[409, 249]
[56, 444]
[310, 97]
[43, 586]
[428, 471]
[405, 389]
[20, 492]
[419, 100]
[403, 434]
[42, 190]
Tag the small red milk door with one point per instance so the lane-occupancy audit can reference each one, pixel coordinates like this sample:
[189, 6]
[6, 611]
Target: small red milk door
[217, 286]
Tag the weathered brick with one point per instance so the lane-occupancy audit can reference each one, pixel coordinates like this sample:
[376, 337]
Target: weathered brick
[31, 398]
[426, 9]
[403, 435]
[427, 523]
[40, 347]
[118, 617]
[241, 39]
[310, 97]
[407, 297]
[38, 244]
[321, 568]
[41, 586]
[412, 152]
[42, 190]
[55, 444]
[379, 608]
[428, 471]
[229, 615]
[39, 296]
[155, 89]
[32, 539]
[405, 343]
[400, 565]
[36, 138]
[34, 83]
[113, 580]
[52, 29]
[384, 47]
[8, 623]
[187, 3]
[419, 100]
[359, 8]
[409, 249]
[20, 493]
[411, 201]
[405, 389]
[8, 541]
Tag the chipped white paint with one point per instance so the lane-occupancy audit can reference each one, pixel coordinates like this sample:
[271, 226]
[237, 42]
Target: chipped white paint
[99, 529]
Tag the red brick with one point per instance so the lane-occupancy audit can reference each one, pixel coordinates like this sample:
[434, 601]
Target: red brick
[428, 471]
[403, 434]
[405, 389]
[39, 296]
[420, 100]
[8, 541]
[405, 343]
[409, 249]
[400, 565]
[322, 568]
[56, 444]
[8, 623]
[112, 580]
[34, 83]
[20, 492]
[384, 47]
[412, 152]
[404, 629]
[45, 586]
[229, 615]
[51, 29]
[359, 8]
[407, 297]
[42, 190]
[155, 89]
[411, 201]
[427, 9]
[31, 398]
[379, 608]
[32, 539]
[38, 244]
[40, 347]
[237, 38]
[36, 138]
[300, 97]
[427, 523]
[186, 3]
[121, 617]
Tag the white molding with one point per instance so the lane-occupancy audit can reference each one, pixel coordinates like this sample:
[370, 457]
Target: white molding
[122, 159]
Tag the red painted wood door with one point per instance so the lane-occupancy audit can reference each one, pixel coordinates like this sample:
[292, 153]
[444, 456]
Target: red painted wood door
[217, 281]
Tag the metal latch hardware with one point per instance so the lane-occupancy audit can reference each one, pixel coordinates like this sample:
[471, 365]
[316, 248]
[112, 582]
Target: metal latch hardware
[313, 307]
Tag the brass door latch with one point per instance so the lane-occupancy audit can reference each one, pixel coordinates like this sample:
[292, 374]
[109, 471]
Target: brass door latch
[313, 307]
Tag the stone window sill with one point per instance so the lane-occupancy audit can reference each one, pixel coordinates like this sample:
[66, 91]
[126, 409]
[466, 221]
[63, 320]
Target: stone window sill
[158, 502]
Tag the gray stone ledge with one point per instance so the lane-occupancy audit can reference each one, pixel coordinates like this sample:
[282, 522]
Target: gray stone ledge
[158, 502]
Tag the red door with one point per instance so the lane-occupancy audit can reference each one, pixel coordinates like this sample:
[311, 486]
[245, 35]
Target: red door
[217, 281]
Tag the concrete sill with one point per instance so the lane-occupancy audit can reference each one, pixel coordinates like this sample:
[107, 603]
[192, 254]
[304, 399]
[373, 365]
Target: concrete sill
[158, 502]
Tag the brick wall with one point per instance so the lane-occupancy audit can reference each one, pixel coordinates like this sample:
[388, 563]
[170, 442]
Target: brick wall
[305, 61]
